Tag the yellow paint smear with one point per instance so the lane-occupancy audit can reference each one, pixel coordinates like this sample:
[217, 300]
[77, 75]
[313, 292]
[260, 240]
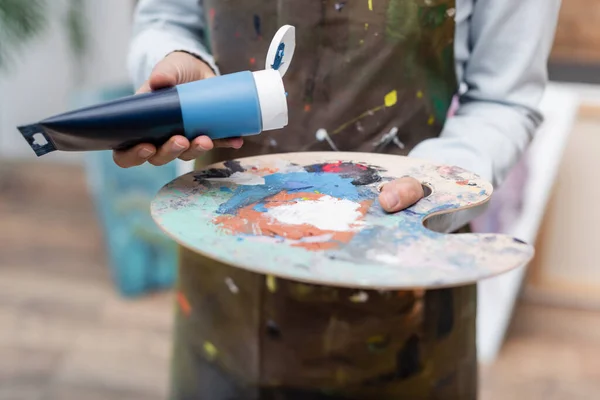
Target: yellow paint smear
[361, 116]
[370, 5]
[376, 339]
[210, 350]
[391, 98]
[271, 283]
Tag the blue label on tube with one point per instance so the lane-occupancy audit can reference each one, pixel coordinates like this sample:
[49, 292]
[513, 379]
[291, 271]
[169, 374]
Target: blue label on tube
[222, 107]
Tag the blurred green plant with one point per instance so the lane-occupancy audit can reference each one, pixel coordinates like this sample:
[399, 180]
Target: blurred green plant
[24, 20]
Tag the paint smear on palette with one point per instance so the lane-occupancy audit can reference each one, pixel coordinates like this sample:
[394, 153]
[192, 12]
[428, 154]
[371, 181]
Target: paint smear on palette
[327, 213]
[320, 208]
[252, 220]
[241, 178]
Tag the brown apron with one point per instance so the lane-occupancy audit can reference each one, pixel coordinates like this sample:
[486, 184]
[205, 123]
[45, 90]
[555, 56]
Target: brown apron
[362, 69]
[376, 76]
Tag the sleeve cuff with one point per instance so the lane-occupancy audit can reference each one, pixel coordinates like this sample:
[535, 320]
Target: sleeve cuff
[456, 153]
[151, 46]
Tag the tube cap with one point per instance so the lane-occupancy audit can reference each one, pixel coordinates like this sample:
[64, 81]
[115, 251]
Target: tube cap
[272, 99]
[282, 49]
[269, 82]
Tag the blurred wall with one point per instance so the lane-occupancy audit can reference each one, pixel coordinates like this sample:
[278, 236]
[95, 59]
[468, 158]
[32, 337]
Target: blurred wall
[576, 53]
[46, 77]
[566, 268]
[577, 35]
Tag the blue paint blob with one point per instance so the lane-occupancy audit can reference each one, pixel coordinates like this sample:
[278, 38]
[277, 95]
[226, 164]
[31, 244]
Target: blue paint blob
[225, 189]
[444, 207]
[257, 25]
[260, 207]
[279, 57]
[325, 183]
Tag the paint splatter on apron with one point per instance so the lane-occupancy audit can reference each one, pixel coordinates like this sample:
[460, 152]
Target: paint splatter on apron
[367, 75]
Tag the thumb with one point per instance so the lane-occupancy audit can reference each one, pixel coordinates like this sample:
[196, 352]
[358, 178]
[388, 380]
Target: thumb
[164, 75]
[178, 68]
[400, 194]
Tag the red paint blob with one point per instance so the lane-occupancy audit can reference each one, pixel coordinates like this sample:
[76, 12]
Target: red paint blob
[184, 304]
[339, 167]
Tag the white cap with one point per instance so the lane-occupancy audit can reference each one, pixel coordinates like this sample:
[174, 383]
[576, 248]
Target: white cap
[281, 49]
[269, 83]
[272, 99]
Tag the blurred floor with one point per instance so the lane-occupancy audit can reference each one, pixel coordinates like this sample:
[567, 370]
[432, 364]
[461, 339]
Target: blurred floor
[65, 334]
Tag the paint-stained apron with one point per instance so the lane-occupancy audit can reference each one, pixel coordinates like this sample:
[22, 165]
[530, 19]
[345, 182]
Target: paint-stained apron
[367, 75]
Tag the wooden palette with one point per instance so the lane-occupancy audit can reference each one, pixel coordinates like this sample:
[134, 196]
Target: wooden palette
[315, 218]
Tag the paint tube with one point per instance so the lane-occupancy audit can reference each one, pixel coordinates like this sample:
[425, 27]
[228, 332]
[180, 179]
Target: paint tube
[232, 105]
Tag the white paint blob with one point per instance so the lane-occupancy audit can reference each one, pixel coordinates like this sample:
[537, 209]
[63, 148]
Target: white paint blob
[241, 178]
[326, 213]
[360, 297]
[231, 285]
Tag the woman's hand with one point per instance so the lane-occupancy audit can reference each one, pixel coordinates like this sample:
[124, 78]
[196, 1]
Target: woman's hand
[174, 69]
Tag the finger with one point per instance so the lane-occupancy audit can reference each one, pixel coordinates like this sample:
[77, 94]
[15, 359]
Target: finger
[135, 156]
[169, 151]
[177, 68]
[165, 75]
[400, 194]
[145, 88]
[234, 143]
[198, 146]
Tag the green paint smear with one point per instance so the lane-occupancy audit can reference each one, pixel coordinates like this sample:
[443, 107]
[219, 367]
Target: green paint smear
[433, 17]
[441, 84]
[403, 28]
[402, 21]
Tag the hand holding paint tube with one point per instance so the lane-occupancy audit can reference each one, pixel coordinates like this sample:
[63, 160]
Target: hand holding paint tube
[224, 107]
[175, 69]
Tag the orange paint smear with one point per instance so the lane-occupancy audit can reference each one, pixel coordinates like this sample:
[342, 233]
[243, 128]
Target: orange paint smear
[462, 183]
[307, 107]
[264, 171]
[251, 222]
[184, 304]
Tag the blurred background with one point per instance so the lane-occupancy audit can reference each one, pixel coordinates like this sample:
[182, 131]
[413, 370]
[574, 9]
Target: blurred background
[85, 277]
